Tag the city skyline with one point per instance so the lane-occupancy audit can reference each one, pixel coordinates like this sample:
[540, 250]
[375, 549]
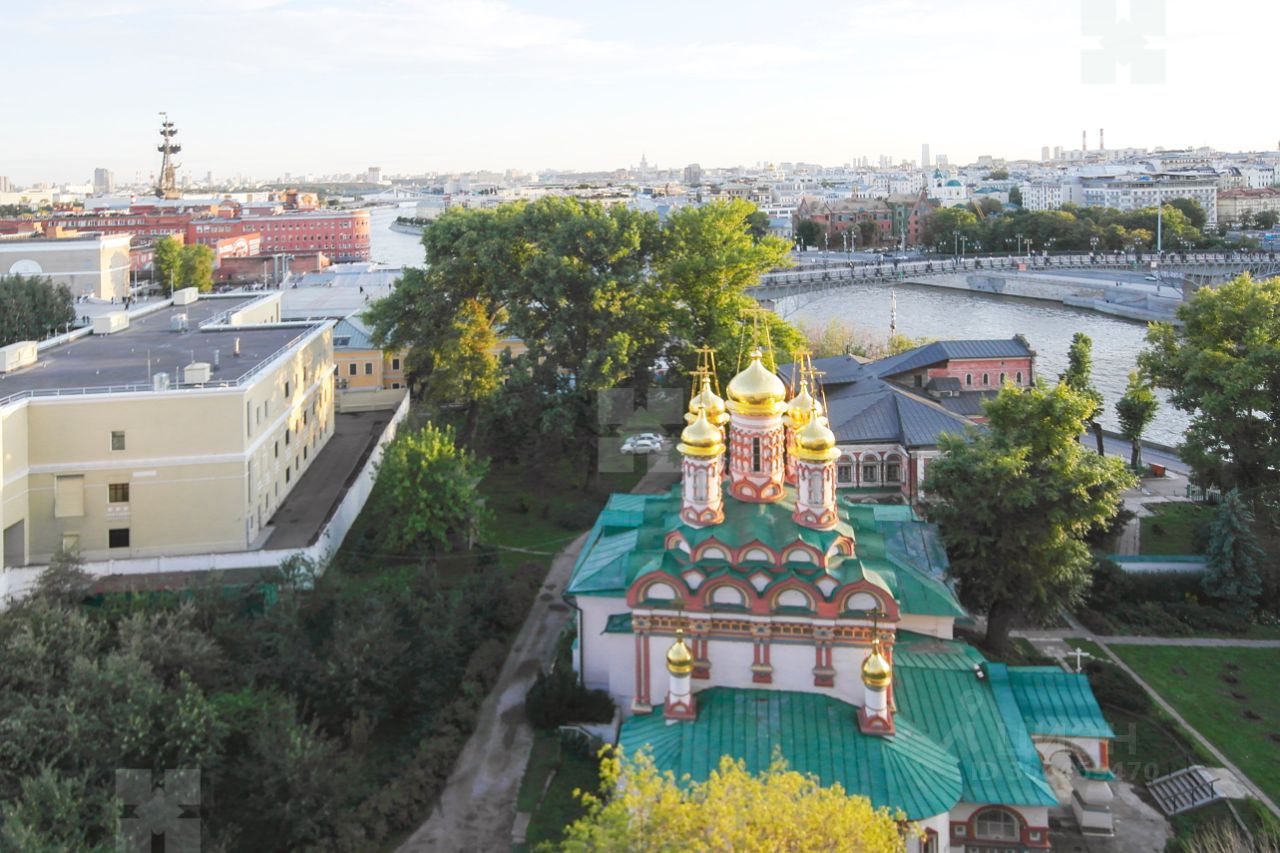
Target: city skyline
[265, 87]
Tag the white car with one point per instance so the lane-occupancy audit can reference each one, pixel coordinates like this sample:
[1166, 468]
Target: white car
[1153, 278]
[642, 444]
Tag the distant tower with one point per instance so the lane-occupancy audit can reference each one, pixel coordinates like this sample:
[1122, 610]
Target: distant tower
[893, 313]
[924, 156]
[1044, 153]
[167, 186]
[1084, 140]
[1102, 145]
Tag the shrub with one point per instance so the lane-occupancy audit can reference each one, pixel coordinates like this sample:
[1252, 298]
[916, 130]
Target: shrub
[559, 698]
[1097, 622]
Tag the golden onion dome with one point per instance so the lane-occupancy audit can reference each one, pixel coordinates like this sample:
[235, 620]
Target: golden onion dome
[876, 671]
[815, 442]
[707, 399]
[679, 658]
[756, 390]
[701, 438]
[802, 407]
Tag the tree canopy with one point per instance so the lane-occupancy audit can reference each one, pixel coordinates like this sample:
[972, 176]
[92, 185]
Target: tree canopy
[32, 308]
[1233, 556]
[778, 809]
[1014, 502]
[1222, 367]
[1135, 410]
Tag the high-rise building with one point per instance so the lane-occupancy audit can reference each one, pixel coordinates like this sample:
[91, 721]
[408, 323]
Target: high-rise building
[104, 181]
[924, 156]
[1044, 153]
[692, 174]
[373, 174]
[1057, 152]
[4, 184]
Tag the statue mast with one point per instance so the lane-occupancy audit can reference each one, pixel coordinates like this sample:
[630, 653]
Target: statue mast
[167, 186]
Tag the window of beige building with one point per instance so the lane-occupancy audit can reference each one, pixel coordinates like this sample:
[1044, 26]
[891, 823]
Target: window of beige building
[118, 493]
[68, 496]
[368, 368]
[117, 439]
[118, 537]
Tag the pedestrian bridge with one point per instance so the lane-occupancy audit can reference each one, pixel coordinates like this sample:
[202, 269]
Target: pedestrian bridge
[1174, 271]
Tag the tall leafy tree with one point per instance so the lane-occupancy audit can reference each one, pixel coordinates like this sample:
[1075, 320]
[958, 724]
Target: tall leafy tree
[809, 233]
[1015, 501]
[166, 263]
[429, 486]
[1079, 378]
[449, 314]
[587, 308]
[32, 308]
[1233, 556]
[1221, 365]
[777, 809]
[195, 267]
[708, 259]
[1136, 409]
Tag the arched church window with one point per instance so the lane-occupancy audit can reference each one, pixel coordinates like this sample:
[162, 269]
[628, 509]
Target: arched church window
[755, 454]
[728, 596]
[997, 825]
[844, 471]
[893, 468]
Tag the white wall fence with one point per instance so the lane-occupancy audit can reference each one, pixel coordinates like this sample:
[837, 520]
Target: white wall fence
[15, 583]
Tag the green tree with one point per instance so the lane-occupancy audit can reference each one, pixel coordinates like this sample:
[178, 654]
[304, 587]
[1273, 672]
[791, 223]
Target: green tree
[1233, 556]
[1136, 409]
[777, 809]
[868, 234]
[1266, 219]
[429, 486]
[809, 233]
[166, 263]
[1221, 365]
[1079, 378]
[941, 226]
[195, 267]
[1191, 209]
[1015, 196]
[32, 308]
[1015, 501]
[997, 175]
[707, 261]
[447, 315]
[758, 224]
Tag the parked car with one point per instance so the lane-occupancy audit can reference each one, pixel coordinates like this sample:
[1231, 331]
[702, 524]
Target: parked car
[642, 444]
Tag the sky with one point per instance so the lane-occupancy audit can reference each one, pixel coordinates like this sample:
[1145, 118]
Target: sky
[265, 87]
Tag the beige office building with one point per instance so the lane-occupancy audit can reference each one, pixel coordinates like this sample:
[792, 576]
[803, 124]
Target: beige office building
[178, 434]
[88, 262]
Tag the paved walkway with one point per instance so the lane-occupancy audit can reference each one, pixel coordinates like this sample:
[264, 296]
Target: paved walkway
[477, 809]
[1133, 640]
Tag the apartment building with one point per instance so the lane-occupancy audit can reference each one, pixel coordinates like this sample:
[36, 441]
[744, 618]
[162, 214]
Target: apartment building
[178, 432]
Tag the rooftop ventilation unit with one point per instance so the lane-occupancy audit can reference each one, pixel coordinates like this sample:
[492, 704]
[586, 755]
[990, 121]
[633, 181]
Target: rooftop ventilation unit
[160, 382]
[179, 323]
[197, 372]
[185, 296]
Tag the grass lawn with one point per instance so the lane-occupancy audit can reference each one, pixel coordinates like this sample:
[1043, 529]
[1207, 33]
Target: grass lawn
[1170, 530]
[546, 510]
[1228, 694]
[559, 807]
[542, 763]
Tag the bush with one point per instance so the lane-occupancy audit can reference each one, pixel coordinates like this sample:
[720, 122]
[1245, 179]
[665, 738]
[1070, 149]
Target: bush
[559, 698]
[1097, 622]
[1113, 688]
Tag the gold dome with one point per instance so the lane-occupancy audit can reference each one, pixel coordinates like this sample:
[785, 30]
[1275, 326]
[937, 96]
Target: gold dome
[876, 671]
[802, 407]
[707, 399]
[756, 390]
[815, 442]
[679, 658]
[701, 438]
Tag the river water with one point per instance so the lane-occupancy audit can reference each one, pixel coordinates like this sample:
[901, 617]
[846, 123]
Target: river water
[929, 312]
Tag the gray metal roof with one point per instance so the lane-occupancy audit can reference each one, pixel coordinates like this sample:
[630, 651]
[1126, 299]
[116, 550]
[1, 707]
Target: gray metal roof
[940, 351]
[351, 333]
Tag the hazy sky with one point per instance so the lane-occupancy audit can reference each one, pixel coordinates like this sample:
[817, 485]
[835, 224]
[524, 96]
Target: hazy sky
[265, 87]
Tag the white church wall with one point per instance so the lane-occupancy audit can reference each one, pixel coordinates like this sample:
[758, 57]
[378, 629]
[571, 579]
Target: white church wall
[932, 626]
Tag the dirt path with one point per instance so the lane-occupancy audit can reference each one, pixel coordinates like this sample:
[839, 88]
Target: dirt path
[477, 808]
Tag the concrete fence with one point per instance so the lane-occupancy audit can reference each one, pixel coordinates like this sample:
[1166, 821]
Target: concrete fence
[16, 583]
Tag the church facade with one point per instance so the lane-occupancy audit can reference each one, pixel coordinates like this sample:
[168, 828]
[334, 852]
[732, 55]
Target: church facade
[751, 609]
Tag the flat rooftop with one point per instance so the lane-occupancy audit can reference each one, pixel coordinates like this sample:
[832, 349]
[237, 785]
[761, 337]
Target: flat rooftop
[132, 356]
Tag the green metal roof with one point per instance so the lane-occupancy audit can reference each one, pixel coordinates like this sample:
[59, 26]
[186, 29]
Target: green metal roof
[895, 550]
[816, 734]
[618, 623]
[976, 719]
[1055, 702]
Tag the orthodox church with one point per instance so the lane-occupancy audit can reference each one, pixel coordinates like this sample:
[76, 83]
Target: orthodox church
[752, 609]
